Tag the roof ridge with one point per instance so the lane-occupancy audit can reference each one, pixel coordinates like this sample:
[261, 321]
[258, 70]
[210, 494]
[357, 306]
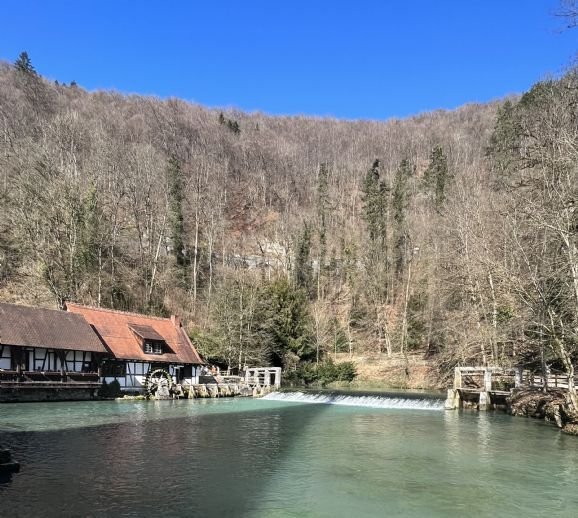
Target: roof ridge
[107, 310]
[32, 307]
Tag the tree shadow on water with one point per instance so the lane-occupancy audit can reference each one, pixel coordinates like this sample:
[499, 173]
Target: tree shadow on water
[206, 465]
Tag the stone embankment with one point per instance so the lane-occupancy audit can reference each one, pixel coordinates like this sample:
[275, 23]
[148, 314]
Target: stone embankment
[553, 406]
[214, 390]
[209, 390]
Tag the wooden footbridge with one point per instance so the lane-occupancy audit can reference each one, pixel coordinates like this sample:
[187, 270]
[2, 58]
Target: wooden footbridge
[488, 387]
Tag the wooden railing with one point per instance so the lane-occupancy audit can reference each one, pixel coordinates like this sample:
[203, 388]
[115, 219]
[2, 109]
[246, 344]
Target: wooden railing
[42, 378]
[504, 379]
[553, 380]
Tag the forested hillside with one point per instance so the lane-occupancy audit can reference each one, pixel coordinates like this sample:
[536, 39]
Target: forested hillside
[285, 239]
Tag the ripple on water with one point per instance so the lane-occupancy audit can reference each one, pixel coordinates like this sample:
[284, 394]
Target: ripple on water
[274, 458]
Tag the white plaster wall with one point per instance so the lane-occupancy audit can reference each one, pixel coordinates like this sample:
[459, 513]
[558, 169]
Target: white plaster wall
[5, 359]
[136, 374]
[41, 358]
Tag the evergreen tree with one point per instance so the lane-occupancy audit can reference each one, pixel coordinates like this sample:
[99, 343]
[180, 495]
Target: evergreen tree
[400, 203]
[287, 323]
[24, 65]
[234, 126]
[375, 204]
[376, 199]
[437, 176]
[303, 270]
[401, 190]
[504, 148]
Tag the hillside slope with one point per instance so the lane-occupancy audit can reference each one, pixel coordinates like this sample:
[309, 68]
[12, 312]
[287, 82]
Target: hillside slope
[390, 230]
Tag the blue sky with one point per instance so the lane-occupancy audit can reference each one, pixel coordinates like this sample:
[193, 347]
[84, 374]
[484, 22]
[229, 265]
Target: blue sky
[348, 59]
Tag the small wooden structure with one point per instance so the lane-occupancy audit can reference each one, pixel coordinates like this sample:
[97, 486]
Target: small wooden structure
[263, 377]
[484, 387]
[488, 387]
[257, 381]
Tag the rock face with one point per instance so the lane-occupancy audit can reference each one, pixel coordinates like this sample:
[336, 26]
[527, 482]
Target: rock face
[551, 406]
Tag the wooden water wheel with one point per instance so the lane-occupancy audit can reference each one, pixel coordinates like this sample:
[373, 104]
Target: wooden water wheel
[155, 380]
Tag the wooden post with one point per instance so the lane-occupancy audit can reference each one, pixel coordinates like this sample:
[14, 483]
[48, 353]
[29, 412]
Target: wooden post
[518, 377]
[16, 354]
[484, 402]
[453, 400]
[457, 378]
[487, 380]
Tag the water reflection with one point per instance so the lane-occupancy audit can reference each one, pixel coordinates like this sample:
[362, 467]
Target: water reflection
[259, 458]
[211, 464]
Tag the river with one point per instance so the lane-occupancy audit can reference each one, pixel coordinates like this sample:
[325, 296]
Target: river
[344, 456]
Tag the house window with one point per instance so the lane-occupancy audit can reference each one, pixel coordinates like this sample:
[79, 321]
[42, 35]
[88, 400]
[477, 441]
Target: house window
[153, 347]
[111, 369]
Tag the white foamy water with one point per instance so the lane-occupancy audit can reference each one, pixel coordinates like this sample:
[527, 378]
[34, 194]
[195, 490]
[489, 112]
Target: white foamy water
[372, 401]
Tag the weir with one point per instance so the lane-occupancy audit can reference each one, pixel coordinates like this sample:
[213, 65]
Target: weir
[369, 400]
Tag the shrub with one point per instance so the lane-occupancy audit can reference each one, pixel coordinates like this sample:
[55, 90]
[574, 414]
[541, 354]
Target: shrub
[110, 390]
[311, 374]
[346, 371]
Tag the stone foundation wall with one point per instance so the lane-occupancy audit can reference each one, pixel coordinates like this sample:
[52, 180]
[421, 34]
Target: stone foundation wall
[31, 394]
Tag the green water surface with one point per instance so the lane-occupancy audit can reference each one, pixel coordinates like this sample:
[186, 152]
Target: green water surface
[245, 457]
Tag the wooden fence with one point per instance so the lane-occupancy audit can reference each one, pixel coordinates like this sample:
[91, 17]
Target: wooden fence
[502, 379]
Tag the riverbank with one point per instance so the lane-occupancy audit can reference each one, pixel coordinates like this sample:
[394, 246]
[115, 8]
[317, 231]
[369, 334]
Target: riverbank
[397, 371]
[552, 406]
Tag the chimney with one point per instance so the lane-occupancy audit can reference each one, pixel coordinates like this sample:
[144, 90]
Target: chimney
[176, 321]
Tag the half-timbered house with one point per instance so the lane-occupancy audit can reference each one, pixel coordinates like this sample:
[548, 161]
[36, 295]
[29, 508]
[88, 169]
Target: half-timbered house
[47, 349]
[141, 344]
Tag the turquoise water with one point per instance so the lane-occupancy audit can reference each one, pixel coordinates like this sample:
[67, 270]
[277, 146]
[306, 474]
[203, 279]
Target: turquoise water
[268, 458]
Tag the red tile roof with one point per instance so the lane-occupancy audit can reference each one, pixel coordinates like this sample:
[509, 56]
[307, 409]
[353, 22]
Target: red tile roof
[48, 328]
[119, 331]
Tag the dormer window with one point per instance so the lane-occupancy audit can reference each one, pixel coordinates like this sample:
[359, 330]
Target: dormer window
[151, 341]
[153, 347]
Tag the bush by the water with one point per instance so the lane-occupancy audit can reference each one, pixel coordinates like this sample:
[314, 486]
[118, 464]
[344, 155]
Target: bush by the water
[110, 390]
[321, 374]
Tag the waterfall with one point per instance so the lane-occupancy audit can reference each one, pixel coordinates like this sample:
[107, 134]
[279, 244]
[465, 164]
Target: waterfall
[383, 400]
